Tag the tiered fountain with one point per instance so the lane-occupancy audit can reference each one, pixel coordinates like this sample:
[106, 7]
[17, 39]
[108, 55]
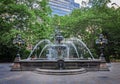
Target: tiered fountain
[60, 55]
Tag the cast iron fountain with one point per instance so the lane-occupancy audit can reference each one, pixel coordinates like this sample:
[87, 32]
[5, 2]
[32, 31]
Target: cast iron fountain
[60, 56]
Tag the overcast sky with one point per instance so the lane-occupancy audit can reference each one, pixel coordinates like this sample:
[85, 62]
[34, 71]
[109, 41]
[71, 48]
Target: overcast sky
[115, 1]
[112, 1]
[79, 1]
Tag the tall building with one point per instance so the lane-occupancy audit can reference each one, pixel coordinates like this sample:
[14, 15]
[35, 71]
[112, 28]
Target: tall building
[62, 7]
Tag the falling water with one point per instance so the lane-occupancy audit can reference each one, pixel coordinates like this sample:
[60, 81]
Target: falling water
[83, 45]
[39, 43]
[48, 45]
[73, 45]
[62, 45]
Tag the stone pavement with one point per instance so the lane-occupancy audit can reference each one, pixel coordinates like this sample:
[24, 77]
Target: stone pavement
[28, 77]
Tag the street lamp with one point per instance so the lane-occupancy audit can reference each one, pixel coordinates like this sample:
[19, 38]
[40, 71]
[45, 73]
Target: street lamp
[102, 41]
[18, 41]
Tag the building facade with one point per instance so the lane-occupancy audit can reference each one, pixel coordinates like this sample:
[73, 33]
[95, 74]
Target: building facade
[62, 7]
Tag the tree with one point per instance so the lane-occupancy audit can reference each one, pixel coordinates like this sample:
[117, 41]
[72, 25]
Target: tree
[26, 17]
[110, 27]
[88, 23]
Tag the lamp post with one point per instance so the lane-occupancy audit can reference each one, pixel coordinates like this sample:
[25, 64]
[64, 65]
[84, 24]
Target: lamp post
[102, 41]
[18, 41]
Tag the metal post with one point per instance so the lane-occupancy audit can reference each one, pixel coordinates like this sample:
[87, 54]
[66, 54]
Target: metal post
[102, 41]
[18, 41]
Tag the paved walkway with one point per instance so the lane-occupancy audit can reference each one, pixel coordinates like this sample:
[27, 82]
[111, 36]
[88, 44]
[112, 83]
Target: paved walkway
[28, 77]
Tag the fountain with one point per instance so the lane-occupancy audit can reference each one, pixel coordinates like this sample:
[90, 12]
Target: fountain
[61, 54]
[61, 49]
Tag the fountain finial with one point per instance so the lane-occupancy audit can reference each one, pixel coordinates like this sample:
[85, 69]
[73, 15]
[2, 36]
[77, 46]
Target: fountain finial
[58, 36]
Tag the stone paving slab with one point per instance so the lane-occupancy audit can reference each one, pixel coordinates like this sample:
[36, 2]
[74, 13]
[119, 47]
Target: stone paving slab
[28, 77]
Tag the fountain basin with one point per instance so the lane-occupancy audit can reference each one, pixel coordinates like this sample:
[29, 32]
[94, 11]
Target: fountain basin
[31, 65]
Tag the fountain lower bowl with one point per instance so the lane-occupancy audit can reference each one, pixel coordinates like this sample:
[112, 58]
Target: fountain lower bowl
[66, 64]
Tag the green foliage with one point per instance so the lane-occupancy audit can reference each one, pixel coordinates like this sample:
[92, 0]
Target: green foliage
[88, 23]
[30, 18]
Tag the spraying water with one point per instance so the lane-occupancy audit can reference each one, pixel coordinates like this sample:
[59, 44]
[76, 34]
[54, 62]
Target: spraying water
[39, 43]
[61, 48]
[73, 45]
[80, 41]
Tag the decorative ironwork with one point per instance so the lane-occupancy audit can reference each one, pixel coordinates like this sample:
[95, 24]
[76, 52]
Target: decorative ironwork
[18, 41]
[102, 41]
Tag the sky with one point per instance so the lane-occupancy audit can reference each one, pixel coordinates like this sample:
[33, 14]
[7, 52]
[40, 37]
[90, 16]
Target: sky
[79, 1]
[112, 1]
[115, 1]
